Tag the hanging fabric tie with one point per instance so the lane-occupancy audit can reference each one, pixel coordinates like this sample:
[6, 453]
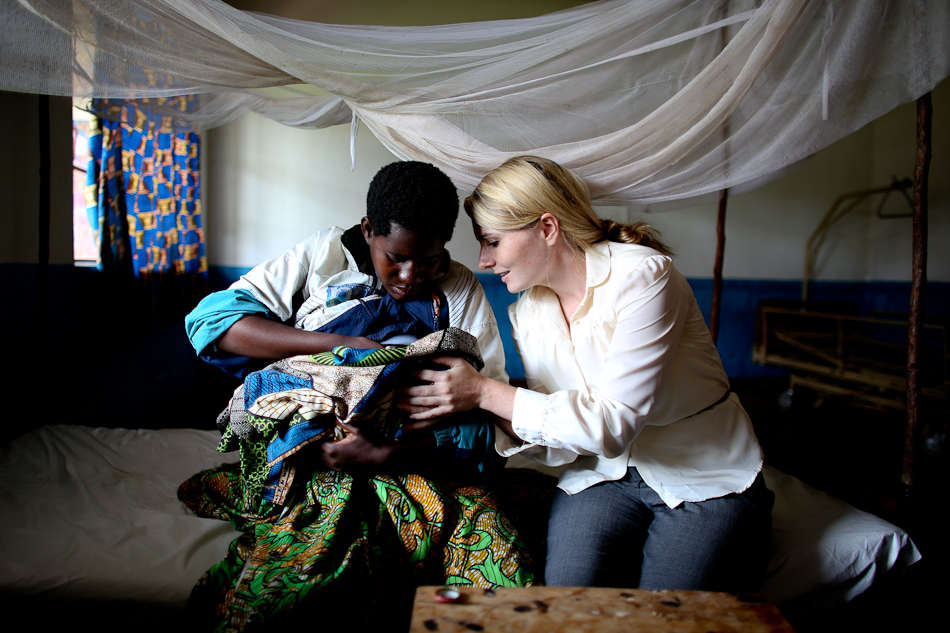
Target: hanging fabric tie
[354, 129]
[823, 57]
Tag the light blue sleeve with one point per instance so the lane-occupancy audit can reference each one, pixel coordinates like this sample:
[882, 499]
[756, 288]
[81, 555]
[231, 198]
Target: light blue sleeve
[216, 313]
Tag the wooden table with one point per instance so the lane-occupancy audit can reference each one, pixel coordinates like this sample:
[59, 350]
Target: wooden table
[561, 609]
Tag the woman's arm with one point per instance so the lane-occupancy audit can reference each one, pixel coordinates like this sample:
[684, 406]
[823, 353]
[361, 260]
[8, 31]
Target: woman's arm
[625, 367]
[259, 337]
[463, 449]
[457, 388]
[251, 318]
[356, 453]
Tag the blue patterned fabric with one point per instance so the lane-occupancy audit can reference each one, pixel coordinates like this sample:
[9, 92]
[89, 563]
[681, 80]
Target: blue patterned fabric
[269, 381]
[300, 400]
[144, 188]
[345, 292]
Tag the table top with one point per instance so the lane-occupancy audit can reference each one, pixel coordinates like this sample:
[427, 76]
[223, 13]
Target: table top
[554, 609]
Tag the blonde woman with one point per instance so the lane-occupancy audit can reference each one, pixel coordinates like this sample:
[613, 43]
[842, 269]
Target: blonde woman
[660, 481]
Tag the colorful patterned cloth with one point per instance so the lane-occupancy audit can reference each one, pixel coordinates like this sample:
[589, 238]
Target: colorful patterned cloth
[295, 402]
[353, 545]
[143, 187]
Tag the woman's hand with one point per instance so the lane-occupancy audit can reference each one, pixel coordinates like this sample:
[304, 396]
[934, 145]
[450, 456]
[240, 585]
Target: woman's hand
[358, 453]
[428, 423]
[259, 337]
[354, 453]
[453, 390]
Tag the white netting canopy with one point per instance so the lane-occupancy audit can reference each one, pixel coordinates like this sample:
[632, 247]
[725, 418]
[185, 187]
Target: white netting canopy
[648, 100]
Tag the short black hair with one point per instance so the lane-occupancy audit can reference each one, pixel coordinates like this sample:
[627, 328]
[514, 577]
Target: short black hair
[417, 196]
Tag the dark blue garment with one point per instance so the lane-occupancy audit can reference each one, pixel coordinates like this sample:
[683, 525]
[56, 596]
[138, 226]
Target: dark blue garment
[375, 317]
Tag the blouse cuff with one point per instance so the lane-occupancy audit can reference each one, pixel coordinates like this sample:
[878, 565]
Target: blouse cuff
[527, 416]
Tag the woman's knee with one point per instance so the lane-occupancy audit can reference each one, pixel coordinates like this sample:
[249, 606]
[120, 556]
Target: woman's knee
[721, 544]
[589, 545]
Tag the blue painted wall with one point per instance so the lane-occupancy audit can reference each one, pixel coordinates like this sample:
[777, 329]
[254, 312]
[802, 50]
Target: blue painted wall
[740, 298]
[96, 351]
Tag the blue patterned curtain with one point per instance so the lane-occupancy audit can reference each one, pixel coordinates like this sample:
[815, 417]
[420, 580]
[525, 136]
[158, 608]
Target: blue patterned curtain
[143, 194]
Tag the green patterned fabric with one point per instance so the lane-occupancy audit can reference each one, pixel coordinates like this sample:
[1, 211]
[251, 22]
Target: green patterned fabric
[372, 537]
[368, 359]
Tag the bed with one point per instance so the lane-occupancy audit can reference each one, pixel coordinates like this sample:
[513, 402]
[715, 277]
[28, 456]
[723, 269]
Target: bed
[90, 526]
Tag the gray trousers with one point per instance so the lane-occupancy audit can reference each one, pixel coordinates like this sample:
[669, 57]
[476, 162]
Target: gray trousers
[621, 534]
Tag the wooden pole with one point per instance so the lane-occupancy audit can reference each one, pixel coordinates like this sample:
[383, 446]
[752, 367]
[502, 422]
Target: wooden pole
[717, 271]
[918, 285]
[716, 308]
[42, 275]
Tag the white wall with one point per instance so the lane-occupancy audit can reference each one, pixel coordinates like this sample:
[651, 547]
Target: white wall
[267, 186]
[767, 229]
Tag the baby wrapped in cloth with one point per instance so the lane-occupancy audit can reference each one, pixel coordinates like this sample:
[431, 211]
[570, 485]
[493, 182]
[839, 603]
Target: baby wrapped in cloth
[309, 536]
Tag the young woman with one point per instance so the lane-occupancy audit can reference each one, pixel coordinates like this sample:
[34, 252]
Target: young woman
[660, 484]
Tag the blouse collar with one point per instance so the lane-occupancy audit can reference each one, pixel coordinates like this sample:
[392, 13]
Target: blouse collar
[598, 269]
[598, 264]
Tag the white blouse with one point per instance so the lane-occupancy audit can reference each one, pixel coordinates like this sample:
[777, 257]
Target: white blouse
[635, 381]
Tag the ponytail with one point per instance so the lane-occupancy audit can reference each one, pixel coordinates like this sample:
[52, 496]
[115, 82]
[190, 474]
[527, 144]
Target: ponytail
[637, 233]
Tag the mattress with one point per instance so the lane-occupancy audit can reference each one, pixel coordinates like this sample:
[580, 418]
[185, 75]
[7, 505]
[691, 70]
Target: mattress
[89, 516]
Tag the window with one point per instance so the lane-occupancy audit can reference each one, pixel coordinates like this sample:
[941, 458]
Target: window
[84, 244]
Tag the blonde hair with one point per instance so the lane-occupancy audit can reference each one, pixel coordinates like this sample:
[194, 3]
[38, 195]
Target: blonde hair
[516, 194]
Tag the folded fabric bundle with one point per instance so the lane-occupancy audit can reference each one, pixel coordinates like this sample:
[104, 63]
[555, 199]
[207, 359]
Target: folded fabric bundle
[295, 402]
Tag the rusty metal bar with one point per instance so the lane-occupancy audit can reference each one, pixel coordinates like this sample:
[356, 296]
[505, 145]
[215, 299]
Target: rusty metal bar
[918, 284]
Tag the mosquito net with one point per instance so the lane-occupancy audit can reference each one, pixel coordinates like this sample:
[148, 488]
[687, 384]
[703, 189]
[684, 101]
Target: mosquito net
[648, 100]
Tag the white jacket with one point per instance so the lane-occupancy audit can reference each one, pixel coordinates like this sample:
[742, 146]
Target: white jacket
[320, 265]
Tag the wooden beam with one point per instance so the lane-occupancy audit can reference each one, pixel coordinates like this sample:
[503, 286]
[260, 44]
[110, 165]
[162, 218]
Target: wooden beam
[716, 308]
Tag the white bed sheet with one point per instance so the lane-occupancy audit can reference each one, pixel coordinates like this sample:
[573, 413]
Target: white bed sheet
[825, 552]
[92, 514]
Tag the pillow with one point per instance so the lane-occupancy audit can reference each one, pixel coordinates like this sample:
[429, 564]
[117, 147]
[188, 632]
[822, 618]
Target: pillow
[825, 552]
